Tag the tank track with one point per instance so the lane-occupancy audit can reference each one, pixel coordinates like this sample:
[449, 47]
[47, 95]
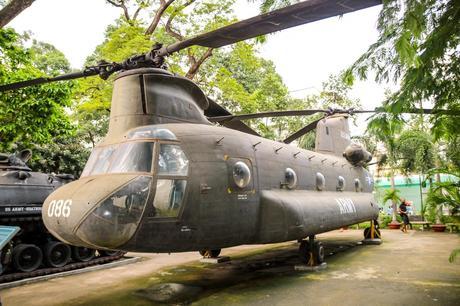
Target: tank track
[46, 271]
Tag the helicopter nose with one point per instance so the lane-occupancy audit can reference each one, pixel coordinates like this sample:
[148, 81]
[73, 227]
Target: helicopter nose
[69, 206]
[115, 219]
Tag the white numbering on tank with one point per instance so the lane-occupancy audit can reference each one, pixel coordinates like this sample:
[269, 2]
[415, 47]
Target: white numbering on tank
[346, 206]
[59, 208]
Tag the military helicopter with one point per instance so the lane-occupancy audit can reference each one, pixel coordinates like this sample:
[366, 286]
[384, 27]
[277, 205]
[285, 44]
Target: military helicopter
[167, 178]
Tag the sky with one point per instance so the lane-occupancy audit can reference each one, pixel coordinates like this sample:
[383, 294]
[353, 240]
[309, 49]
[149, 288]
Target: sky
[304, 56]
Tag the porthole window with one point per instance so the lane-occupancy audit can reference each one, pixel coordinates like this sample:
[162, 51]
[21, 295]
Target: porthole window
[340, 183]
[320, 181]
[241, 174]
[357, 185]
[290, 178]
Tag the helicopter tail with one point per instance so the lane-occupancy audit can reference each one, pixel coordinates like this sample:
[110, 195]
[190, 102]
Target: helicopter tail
[333, 135]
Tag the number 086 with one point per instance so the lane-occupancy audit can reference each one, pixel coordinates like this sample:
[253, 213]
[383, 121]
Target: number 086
[59, 208]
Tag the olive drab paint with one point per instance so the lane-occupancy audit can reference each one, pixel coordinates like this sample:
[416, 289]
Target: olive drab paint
[165, 179]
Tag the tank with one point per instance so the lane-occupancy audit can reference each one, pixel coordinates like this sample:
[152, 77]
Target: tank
[25, 244]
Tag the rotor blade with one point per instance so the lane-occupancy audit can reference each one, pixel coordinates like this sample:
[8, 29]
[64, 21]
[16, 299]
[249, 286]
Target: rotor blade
[38, 81]
[287, 17]
[304, 112]
[215, 109]
[310, 127]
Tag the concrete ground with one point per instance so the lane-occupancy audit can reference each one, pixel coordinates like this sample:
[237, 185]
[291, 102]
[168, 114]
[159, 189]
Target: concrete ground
[407, 269]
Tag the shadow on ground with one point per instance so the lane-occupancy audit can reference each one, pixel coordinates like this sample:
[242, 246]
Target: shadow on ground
[193, 282]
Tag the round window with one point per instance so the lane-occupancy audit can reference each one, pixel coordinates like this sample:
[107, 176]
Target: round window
[340, 183]
[241, 174]
[291, 178]
[320, 181]
[357, 185]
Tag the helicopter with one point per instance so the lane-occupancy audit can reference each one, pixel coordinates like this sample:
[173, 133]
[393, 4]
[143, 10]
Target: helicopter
[178, 172]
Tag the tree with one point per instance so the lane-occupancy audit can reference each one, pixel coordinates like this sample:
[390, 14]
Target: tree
[415, 151]
[417, 47]
[384, 127]
[12, 9]
[34, 114]
[232, 76]
[201, 16]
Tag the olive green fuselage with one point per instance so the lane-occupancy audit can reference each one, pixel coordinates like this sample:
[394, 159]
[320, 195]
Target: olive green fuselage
[124, 201]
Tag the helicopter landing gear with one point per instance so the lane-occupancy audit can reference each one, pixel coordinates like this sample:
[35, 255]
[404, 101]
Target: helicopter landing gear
[210, 253]
[212, 256]
[372, 234]
[311, 254]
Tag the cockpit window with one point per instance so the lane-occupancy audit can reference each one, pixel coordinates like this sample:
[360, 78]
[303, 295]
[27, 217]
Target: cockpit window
[170, 192]
[132, 157]
[151, 132]
[168, 197]
[99, 161]
[122, 158]
[172, 161]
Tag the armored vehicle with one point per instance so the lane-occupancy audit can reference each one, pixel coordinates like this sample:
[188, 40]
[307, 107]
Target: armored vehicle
[25, 243]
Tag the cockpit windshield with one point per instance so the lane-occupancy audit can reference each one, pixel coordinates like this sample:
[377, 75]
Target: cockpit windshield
[120, 158]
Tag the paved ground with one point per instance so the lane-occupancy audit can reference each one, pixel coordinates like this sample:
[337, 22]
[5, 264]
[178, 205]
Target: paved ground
[408, 269]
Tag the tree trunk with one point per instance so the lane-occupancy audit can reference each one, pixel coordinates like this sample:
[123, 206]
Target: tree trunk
[439, 208]
[156, 19]
[393, 202]
[12, 9]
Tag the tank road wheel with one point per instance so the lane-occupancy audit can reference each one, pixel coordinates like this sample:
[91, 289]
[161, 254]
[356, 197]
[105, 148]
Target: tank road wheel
[57, 254]
[111, 253]
[210, 253]
[26, 257]
[82, 254]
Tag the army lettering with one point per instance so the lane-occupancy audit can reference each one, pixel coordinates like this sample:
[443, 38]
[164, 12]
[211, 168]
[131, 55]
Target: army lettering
[346, 206]
[59, 207]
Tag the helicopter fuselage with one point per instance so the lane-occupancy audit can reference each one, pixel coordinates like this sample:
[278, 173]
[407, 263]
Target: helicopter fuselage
[192, 199]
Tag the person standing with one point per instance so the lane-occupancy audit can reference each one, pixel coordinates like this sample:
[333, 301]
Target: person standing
[403, 214]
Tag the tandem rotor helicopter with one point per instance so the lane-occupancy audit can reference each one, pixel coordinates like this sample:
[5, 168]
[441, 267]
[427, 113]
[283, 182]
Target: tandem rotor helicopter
[167, 178]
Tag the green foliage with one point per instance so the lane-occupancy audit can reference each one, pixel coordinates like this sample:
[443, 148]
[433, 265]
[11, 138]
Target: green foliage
[270, 5]
[453, 152]
[418, 47]
[453, 255]
[48, 59]
[34, 114]
[444, 193]
[392, 195]
[63, 155]
[415, 151]
[385, 219]
[93, 95]
[384, 127]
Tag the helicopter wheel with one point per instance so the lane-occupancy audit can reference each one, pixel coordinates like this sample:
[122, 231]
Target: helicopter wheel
[310, 253]
[304, 252]
[26, 257]
[367, 233]
[318, 252]
[210, 253]
[82, 254]
[57, 254]
[111, 253]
